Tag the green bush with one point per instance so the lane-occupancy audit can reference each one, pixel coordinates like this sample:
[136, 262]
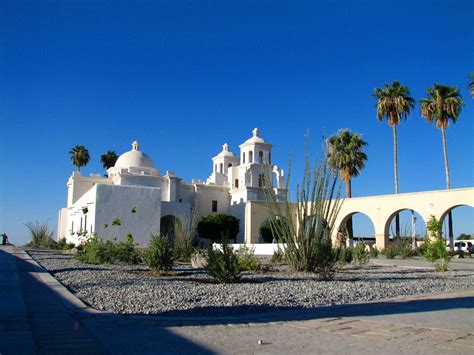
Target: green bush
[125, 251]
[324, 258]
[247, 260]
[159, 255]
[266, 230]
[344, 255]
[216, 226]
[361, 255]
[63, 245]
[403, 248]
[390, 252]
[374, 253]
[97, 251]
[223, 265]
[436, 247]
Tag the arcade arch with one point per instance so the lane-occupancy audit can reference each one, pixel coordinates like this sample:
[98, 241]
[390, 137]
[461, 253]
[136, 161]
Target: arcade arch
[410, 221]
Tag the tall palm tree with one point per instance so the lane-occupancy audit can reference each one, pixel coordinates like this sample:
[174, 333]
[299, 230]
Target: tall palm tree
[79, 156]
[346, 155]
[108, 159]
[443, 104]
[394, 103]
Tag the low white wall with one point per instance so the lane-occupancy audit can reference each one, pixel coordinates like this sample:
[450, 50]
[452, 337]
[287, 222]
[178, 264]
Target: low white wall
[259, 249]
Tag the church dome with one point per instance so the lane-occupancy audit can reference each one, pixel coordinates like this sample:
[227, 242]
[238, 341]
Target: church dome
[134, 159]
[225, 152]
[255, 137]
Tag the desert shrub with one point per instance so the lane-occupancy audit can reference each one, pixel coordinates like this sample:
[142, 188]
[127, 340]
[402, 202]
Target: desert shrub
[223, 264]
[325, 258]
[360, 255]
[436, 247]
[247, 260]
[41, 235]
[126, 252]
[373, 252]
[403, 248]
[64, 245]
[278, 257]
[185, 231]
[159, 254]
[344, 256]
[217, 225]
[97, 251]
[389, 252]
[308, 235]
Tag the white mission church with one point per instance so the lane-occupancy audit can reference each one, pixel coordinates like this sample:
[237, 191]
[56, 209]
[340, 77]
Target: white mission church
[136, 199]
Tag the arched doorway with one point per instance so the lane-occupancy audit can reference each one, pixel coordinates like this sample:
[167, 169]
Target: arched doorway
[167, 226]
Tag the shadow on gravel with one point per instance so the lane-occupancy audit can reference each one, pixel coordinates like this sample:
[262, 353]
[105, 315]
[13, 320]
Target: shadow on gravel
[262, 314]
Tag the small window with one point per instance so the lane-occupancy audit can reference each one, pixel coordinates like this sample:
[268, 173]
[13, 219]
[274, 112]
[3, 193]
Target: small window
[269, 158]
[229, 165]
[236, 183]
[260, 180]
[243, 158]
[250, 157]
[72, 227]
[85, 223]
[260, 157]
[180, 200]
[221, 166]
[214, 206]
[80, 227]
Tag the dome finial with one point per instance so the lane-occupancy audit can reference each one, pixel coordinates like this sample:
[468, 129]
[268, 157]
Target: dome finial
[136, 145]
[225, 147]
[256, 132]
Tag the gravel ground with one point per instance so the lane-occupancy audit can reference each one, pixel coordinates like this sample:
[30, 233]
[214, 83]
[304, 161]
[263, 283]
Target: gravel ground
[132, 289]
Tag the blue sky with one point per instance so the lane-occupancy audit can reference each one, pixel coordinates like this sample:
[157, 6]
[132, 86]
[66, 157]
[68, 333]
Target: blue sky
[184, 77]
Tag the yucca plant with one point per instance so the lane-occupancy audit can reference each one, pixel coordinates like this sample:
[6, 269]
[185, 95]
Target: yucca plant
[307, 224]
[185, 229]
[41, 235]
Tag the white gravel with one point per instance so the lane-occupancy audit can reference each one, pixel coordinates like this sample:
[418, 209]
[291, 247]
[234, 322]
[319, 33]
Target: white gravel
[130, 289]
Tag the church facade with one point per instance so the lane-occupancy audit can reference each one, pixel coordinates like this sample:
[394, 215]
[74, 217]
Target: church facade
[136, 199]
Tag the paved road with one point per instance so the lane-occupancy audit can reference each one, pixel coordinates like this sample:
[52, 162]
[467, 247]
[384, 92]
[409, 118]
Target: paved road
[39, 315]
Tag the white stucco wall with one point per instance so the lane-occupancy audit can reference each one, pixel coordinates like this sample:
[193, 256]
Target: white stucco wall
[117, 202]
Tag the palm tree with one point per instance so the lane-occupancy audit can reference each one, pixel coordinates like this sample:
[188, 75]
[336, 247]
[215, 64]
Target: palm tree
[443, 103]
[108, 159]
[346, 155]
[394, 103]
[79, 156]
[471, 85]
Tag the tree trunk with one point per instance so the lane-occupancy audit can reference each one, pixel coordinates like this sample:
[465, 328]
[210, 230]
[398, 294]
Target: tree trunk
[350, 230]
[448, 186]
[446, 162]
[395, 158]
[395, 170]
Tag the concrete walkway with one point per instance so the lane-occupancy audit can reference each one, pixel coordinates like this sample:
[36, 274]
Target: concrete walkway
[39, 315]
